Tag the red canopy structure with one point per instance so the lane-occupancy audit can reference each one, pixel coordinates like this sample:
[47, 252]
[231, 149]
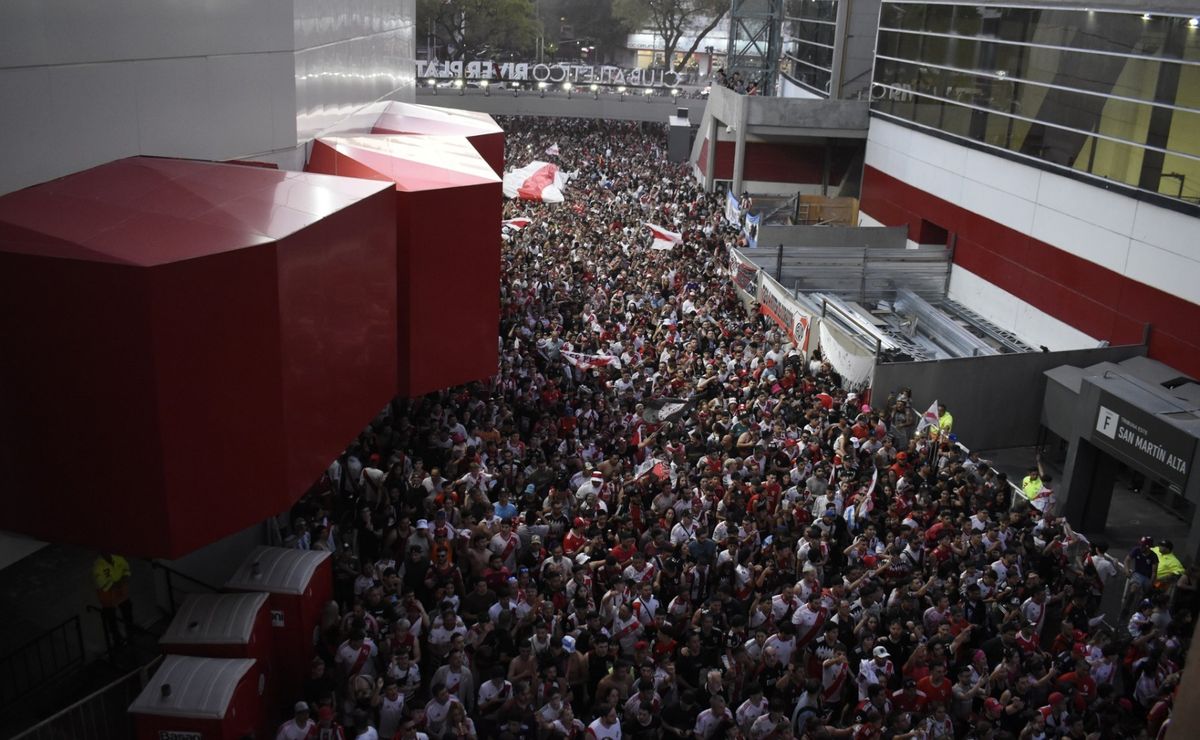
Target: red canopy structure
[448, 207]
[187, 346]
[394, 117]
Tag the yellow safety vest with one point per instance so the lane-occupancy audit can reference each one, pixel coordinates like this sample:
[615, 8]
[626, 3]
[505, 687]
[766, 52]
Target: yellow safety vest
[1031, 486]
[946, 422]
[108, 573]
[1168, 564]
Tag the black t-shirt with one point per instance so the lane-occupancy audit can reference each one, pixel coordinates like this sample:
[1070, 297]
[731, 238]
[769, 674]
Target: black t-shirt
[634, 730]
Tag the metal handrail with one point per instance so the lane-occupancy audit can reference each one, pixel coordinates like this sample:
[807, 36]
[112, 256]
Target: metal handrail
[85, 705]
[158, 565]
[32, 654]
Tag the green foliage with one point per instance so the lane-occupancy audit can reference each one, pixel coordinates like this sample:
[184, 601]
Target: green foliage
[672, 20]
[469, 28]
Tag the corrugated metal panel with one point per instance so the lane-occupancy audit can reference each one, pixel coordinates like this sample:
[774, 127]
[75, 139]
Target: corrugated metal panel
[201, 688]
[215, 619]
[860, 274]
[277, 570]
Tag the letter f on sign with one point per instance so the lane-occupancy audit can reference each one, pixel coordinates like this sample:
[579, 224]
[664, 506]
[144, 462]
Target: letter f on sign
[1106, 422]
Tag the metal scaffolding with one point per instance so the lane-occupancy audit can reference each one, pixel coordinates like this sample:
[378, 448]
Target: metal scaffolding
[755, 41]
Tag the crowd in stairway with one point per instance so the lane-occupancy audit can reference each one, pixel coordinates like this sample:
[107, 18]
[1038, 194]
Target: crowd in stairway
[661, 520]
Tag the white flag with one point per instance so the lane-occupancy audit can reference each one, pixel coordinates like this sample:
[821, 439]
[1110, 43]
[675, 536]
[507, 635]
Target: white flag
[552, 150]
[930, 419]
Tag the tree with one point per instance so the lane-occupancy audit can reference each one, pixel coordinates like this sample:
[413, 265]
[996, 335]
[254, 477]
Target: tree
[470, 28]
[672, 20]
[587, 22]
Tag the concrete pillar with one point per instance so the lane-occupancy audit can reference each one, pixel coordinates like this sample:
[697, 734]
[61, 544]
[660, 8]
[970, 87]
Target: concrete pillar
[710, 157]
[739, 147]
[1086, 492]
[826, 167]
[840, 34]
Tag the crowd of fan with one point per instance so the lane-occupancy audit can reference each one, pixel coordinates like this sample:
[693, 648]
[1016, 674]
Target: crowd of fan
[736, 82]
[553, 553]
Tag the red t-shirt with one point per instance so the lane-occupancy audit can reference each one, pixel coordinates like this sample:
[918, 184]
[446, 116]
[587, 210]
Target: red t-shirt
[905, 703]
[940, 694]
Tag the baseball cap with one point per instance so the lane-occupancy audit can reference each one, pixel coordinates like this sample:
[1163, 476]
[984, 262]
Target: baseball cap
[1146, 541]
[1056, 697]
[993, 704]
[580, 521]
[422, 524]
[301, 706]
[881, 652]
[641, 645]
[568, 644]
[530, 488]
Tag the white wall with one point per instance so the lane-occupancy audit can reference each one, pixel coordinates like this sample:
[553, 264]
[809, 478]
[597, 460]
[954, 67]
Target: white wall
[1034, 326]
[83, 83]
[1142, 241]
[348, 53]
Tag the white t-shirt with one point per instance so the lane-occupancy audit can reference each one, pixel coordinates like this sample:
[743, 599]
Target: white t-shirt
[435, 715]
[597, 730]
[291, 731]
[706, 723]
[391, 712]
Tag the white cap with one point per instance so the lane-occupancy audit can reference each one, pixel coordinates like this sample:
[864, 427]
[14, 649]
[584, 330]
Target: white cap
[881, 652]
[422, 524]
[568, 644]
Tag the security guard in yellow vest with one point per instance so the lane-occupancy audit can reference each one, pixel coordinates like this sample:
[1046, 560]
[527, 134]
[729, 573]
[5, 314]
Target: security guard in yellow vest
[945, 420]
[111, 575]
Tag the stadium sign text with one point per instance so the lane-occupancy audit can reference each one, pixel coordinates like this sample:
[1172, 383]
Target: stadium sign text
[576, 74]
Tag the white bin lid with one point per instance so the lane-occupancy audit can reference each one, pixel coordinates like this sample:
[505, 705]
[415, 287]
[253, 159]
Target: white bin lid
[215, 619]
[201, 688]
[277, 570]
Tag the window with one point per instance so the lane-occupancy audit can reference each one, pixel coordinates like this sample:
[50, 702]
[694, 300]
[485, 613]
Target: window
[1104, 93]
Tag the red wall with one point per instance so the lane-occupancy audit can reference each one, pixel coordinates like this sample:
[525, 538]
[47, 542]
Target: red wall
[778, 162]
[152, 410]
[447, 274]
[449, 281]
[1093, 299]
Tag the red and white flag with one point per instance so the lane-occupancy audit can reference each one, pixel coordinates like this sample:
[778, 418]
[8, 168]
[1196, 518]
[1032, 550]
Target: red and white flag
[552, 150]
[536, 181]
[663, 239]
[929, 419]
[516, 224]
[588, 362]
[652, 466]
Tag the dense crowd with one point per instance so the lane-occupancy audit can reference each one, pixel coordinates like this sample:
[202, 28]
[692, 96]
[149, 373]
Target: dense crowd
[659, 520]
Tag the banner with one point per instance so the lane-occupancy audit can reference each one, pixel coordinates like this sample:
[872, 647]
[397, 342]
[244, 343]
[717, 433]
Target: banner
[588, 362]
[552, 150]
[775, 303]
[733, 213]
[744, 273]
[853, 362]
[558, 73]
[750, 229]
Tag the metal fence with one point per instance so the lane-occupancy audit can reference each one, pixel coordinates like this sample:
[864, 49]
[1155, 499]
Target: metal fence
[99, 716]
[40, 661]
